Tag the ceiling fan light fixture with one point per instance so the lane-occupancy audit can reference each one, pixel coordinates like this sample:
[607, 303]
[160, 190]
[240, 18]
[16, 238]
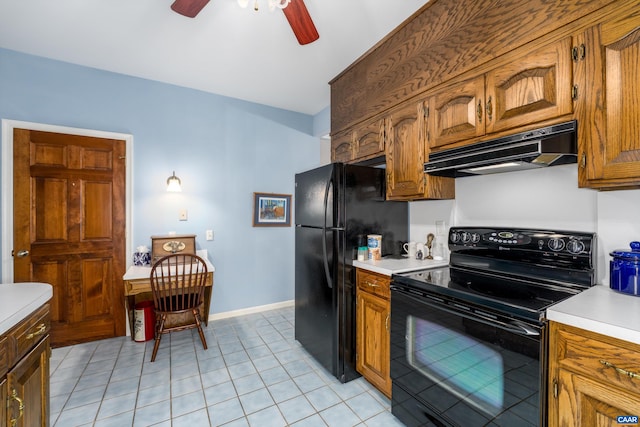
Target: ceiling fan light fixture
[243, 3]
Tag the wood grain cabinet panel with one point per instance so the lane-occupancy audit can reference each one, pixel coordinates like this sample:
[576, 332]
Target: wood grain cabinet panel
[456, 113]
[593, 378]
[609, 112]
[369, 140]
[24, 372]
[342, 147]
[531, 88]
[373, 311]
[406, 151]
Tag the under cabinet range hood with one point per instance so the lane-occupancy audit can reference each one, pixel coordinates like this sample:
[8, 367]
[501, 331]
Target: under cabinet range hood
[548, 146]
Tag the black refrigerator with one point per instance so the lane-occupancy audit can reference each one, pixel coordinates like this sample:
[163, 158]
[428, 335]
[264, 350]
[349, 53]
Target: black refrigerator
[335, 206]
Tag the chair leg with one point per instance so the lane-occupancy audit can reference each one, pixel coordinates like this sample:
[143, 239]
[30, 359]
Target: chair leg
[196, 315]
[159, 329]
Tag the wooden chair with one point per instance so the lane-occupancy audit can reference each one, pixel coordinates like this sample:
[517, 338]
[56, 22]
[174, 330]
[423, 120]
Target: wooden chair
[177, 283]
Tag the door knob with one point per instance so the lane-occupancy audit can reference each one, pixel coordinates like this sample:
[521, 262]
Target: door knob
[23, 253]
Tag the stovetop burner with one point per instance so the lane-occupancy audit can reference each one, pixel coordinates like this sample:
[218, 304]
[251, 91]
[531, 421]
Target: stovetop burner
[515, 271]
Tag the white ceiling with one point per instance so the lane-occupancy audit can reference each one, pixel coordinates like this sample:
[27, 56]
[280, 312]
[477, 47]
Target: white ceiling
[225, 50]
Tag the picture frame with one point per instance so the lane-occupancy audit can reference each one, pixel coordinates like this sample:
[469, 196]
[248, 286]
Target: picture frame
[271, 210]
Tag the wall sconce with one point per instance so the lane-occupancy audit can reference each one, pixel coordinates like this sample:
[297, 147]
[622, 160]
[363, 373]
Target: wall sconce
[174, 183]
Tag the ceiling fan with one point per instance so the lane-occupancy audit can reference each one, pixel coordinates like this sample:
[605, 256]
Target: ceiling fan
[294, 10]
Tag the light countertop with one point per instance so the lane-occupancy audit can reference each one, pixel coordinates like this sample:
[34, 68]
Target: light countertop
[142, 272]
[389, 266]
[602, 310]
[18, 300]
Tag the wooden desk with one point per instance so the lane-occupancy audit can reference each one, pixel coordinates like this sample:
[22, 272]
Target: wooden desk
[137, 287]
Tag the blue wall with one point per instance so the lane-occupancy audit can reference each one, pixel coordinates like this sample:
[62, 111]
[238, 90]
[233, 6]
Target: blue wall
[223, 149]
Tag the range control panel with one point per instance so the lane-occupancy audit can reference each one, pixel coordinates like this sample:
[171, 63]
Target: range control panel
[530, 240]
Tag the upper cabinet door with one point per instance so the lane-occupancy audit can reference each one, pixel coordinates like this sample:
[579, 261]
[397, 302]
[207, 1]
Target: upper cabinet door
[609, 149]
[369, 140]
[405, 151]
[456, 113]
[535, 87]
[342, 147]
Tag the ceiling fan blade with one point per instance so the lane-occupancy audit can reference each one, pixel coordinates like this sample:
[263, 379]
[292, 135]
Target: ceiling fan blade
[300, 21]
[189, 8]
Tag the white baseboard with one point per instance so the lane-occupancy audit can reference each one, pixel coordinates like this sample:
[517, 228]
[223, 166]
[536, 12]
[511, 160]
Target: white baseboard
[251, 310]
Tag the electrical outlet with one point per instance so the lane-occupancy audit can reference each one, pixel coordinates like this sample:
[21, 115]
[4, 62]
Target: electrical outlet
[209, 234]
[182, 215]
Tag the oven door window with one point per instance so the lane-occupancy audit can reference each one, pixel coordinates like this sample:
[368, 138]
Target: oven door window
[462, 365]
[464, 371]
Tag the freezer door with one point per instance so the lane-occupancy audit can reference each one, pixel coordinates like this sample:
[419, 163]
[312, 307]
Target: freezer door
[314, 197]
[315, 301]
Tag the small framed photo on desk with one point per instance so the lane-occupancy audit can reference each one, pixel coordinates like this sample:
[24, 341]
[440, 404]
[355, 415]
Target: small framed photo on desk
[271, 210]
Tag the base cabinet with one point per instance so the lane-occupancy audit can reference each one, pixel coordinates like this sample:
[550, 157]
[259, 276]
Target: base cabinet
[594, 379]
[373, 311]
[24, 384]
[28, 389]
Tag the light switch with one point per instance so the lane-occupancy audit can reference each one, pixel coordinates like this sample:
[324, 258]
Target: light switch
[209, 234]
[183, 215]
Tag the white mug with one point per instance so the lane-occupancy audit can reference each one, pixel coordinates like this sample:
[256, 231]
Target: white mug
[410, 249]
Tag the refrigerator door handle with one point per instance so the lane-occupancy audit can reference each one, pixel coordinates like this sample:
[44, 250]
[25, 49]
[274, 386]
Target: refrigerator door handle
[325, 261]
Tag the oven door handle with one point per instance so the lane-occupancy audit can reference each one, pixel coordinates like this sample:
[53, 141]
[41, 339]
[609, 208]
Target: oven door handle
[467, 312]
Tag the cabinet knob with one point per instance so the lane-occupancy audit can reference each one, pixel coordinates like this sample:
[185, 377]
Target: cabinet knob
[479, 111]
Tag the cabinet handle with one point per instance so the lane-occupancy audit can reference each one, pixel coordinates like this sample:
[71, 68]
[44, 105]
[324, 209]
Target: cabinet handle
[479, 111]
[620, 370]
[386, 322]
[489, 109]
[583, 161]
[373, 285]
[574, 92]
[41, 329]
[14, 396]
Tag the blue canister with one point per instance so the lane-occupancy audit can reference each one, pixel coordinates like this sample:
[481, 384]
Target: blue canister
[624, 275]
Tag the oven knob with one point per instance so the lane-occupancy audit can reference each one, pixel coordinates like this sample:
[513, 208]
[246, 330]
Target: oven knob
[575, 246]
[466, 237]
[556, 244]
[454, 237]
[475, 237]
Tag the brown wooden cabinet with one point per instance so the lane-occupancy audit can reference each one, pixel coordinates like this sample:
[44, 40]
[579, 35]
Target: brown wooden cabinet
[28, 388]
[532, 87]
[406, 151]
[456, 113]
[593, 378]
[24, 389]
[342, 147]
[373, 311]
[363, 142]
[608, 110]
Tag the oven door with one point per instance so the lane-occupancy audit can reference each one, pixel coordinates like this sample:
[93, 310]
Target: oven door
[454, 364]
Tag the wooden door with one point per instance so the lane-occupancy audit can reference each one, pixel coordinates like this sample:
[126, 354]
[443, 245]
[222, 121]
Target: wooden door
[456, 113]
[530, 89]
[69, 214]
[405, 151]
[609, 122]
[372, 340]
[29, 382]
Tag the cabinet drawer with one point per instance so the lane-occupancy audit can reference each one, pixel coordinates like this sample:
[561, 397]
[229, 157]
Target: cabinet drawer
[4, 357]
[612, 361]
[29, 332]
[377, 284]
